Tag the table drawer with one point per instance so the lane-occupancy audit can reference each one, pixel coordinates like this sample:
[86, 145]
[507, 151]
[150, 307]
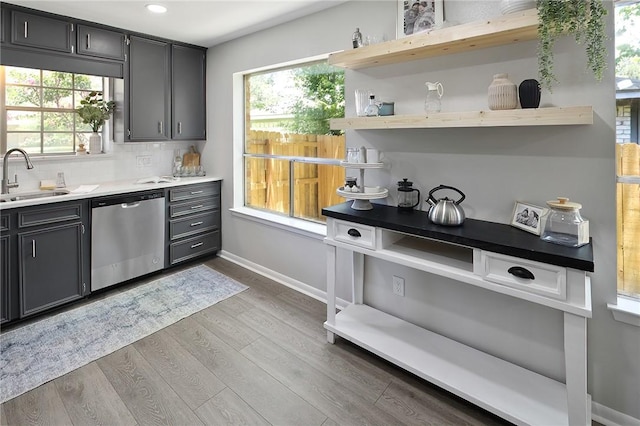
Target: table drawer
[194, 224]
[527, 275]
[193, 247]
[354, 233]
[195, 206]
[194, 191]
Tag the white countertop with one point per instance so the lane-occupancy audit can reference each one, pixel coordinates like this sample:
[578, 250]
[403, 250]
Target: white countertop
[104, 188]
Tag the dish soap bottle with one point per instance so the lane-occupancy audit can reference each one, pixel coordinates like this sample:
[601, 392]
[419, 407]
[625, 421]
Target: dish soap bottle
[372, 110]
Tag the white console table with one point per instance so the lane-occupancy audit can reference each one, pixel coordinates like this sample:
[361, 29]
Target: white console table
[491, 256]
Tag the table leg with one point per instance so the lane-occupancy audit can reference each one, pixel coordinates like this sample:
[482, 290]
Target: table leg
[331, 290]
[575, 361]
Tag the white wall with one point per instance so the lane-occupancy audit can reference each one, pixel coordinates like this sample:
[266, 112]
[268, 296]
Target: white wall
[494, 167]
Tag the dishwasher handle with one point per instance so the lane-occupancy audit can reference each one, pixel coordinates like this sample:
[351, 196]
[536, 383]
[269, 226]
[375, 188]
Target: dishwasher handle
[130, 205]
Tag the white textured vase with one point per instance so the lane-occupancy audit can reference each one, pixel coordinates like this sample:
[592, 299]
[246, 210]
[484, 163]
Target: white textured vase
[512, 6]
[95, 143]
[503, 93]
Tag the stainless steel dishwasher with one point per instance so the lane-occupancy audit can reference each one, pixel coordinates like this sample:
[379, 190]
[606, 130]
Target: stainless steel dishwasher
[127, 237]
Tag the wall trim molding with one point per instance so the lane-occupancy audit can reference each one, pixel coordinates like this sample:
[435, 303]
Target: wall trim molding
[610, 417]
[281, 278]
[600, 413]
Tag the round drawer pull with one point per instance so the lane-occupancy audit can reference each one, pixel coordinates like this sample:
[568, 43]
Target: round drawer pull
[521, 272]
[354, 232]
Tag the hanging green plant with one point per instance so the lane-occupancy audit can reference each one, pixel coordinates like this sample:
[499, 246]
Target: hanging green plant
[582, 18]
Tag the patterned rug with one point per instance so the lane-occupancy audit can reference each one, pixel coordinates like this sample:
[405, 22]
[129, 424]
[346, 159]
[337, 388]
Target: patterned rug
[49, 348]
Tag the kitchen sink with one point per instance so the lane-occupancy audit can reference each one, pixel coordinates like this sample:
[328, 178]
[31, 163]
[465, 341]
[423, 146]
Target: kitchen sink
[32, 195]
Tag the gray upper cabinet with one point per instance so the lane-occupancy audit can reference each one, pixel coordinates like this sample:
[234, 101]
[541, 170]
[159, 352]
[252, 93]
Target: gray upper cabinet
[149, 91]
[42, 32]
[188, 93]
[100, 43]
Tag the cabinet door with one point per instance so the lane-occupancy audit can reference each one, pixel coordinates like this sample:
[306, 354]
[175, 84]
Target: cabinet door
[148, 88]
[50, 267]
[100, 43]
[38, 31]
[5, 274]
[188, 93]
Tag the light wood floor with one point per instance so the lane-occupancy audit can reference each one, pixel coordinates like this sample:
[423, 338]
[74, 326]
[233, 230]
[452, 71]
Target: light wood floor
[257, 358]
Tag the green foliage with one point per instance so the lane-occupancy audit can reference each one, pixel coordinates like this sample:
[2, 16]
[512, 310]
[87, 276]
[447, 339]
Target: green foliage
[322, 88]
[584, 19]
[94, 110]
[628, 55]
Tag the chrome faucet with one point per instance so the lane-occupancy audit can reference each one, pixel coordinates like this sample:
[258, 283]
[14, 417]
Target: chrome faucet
[5, 169]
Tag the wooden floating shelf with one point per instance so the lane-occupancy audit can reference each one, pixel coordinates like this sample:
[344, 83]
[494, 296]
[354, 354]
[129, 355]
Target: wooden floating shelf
[552, 116]
[496, 31]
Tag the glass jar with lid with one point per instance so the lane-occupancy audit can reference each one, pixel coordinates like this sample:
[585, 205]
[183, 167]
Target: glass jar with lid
[562, 224]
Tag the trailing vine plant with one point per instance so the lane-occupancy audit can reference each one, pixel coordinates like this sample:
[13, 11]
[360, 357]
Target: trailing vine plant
[582, 18]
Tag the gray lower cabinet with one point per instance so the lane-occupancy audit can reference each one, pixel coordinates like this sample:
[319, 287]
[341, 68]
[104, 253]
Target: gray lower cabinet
[193, 226]
[51, 258]
[148, 88]
[100, 43]
[188, 113]
[39, 31]
[6, 270]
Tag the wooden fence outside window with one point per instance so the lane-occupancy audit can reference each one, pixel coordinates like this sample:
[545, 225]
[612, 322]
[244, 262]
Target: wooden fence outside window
[628, 200]
[267, 180]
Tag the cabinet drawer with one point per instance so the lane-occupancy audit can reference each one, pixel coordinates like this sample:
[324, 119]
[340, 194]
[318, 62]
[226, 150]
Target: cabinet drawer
[196, 206]
[530, 276]
[193, 247]
[194, 224]
[354, 233]
[54, 213]
[194, 191]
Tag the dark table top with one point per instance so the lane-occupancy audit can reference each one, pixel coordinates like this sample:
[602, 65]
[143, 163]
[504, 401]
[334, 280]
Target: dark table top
[490, 236]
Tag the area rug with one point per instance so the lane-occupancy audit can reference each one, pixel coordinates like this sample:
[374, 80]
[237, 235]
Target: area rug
[49, 348]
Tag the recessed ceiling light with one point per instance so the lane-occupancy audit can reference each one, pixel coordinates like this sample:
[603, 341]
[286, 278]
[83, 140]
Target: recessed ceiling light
[156, 8]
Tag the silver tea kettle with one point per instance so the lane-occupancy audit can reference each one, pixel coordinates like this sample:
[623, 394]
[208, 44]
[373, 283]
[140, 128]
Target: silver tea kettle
[445, 211]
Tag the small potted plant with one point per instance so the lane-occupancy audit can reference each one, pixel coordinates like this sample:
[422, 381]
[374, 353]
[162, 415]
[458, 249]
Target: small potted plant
[94, 111]
[584, 19]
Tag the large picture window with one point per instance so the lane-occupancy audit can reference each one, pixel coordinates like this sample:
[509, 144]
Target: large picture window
[291, 156]
[38, 109]
[627, 147]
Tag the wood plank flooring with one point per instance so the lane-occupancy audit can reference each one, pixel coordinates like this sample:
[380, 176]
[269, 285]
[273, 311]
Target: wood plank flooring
[257, 358]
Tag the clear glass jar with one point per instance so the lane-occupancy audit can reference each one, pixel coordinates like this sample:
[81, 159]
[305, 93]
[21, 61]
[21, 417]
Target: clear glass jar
[562, 224]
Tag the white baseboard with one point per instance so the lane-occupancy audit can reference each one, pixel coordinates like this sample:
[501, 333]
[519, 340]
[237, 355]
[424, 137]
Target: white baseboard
[600, 413]
[282, 279]
[610, 417]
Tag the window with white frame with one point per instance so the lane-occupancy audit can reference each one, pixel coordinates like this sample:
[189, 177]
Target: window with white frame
[38, 109]
[291, 156]
[627, 20]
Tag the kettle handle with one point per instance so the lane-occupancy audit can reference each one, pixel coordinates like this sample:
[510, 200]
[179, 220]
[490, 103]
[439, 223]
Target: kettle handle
[437, 188]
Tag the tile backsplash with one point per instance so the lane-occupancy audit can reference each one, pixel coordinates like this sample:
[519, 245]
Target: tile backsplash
[124, 161]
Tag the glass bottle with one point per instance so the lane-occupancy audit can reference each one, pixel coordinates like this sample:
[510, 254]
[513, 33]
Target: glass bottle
[372, 109]
[357, 39]
[434, 94]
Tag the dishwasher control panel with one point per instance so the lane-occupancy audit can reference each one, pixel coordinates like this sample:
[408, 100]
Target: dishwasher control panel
[126, 198]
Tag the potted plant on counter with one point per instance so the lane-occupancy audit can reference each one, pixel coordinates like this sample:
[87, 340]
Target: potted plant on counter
[94, 111]
[583, 19]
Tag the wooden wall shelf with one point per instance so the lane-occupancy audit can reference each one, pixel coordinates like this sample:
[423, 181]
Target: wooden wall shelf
[497, 31]
[552, 116]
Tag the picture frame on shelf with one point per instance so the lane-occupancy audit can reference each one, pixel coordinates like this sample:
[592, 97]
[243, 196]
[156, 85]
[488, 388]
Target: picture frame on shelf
[527, 217]
[418, 16]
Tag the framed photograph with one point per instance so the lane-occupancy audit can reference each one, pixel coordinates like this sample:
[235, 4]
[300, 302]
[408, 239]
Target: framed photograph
[527, 217]
[417, 16]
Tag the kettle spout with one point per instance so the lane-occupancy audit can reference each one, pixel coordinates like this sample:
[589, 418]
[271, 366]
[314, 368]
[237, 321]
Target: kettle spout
[431, 201]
